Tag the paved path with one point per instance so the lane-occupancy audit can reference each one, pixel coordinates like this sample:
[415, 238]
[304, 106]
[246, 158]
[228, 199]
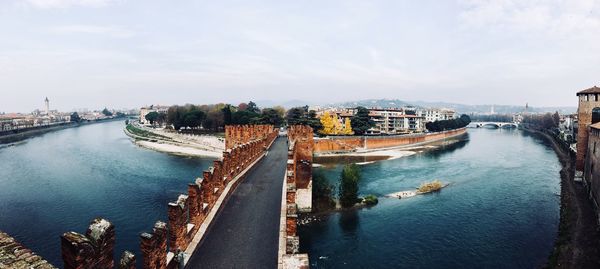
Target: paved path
[245, 234]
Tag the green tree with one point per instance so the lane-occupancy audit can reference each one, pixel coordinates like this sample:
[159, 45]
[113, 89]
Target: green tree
[194, 118]
[152, 117]
[322, 192]
[348, 188]
[252, 107]
[106, 112]
[295, 116]
[443, 125]
[271, 116]
[227, 117]
[361, 122]
[75, 117]
[244, 117]
[556, 119]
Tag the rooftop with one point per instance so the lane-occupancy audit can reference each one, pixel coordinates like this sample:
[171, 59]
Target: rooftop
[595, 126]
[594, 89]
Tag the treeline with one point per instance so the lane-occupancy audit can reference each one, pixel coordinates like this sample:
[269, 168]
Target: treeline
[303, 116]
[359, 123]
[215, 117]
[545, 121]
[444, 125]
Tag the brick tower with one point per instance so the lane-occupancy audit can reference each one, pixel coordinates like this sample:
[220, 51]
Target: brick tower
[588, 112]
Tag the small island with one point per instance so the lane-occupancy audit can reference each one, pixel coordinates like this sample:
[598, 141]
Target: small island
[424, 188]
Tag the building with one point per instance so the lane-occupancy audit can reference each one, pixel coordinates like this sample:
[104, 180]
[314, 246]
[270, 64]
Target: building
[437, 114]
[396, 121]
[153, 108]
[588, 143]
[588, 113]
[47, 106]
[591, 173]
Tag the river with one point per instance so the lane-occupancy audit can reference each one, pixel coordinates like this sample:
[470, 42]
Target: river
[500, 211]
[60, 181]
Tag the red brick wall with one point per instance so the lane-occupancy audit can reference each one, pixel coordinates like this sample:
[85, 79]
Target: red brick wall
[93, 250]
[333, 144]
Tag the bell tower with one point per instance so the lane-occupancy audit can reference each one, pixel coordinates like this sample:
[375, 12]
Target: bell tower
[47, 106]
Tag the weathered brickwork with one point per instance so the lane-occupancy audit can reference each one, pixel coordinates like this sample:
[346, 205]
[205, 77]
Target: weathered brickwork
[154, 247]
[95, 249]
[298, 177]
[185, 215]
[588, 100]
[241, 134]
[15, 255]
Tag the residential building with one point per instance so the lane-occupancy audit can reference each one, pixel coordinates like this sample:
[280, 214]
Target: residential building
[153, 108]
[396, 121]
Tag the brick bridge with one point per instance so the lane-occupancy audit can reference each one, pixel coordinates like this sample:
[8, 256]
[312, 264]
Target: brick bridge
[239, 214]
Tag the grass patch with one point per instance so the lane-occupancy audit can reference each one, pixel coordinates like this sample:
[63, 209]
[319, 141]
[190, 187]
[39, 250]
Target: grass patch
[145, 134]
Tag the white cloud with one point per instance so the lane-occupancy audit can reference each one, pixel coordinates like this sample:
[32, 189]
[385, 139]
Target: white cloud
[113, 31]
[560, 17]
[68, 3]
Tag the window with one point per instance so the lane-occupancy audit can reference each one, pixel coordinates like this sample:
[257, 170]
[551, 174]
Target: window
[587, 97]
[594, 147]
[595, 115]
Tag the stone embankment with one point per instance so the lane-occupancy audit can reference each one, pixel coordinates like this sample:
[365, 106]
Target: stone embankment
[170, 244]
[176, 143]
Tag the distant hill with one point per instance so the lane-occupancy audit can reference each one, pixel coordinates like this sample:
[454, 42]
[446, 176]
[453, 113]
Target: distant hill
[460, 108]
[395, 103]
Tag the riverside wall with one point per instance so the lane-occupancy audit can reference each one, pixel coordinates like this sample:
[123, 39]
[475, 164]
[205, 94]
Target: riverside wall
[330, 145]
[170, 243]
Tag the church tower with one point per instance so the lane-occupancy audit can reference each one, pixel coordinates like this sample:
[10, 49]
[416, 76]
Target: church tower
[47, 103]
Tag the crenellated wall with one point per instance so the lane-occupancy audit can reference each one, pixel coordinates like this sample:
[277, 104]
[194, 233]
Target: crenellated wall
[14, 255]
[298, 193]
[162, 247]
[241, 134]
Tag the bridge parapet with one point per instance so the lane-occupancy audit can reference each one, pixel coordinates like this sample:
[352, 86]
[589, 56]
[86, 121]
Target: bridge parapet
[297, 195]
[189, 217]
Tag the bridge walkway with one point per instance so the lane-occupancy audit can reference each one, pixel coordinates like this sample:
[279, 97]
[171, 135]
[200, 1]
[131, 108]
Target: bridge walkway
[245, 234]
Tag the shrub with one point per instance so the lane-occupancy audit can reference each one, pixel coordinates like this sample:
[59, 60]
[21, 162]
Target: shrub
[370, 200]
[430, 186]
[348, 190]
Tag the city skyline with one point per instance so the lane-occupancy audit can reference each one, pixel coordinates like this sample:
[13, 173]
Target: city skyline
[97, 53]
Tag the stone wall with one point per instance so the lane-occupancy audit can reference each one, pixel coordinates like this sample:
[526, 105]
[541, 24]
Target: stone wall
[592, 167]
[587, 102]
[298, 177]
[353, 143]
[15, 255]
[161, 248]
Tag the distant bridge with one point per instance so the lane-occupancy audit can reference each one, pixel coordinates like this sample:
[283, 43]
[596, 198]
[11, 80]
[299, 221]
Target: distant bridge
[492, 124]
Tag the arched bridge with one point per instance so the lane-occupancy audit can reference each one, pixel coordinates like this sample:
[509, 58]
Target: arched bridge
[493, 124]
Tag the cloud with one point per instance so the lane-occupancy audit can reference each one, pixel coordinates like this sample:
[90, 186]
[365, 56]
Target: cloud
[68, 3]
[113, 31]
[556, 17]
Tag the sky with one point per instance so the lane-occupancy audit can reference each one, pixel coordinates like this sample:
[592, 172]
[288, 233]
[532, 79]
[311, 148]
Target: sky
[130, 53]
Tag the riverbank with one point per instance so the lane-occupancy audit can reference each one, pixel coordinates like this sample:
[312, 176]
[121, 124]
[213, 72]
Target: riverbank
[176, 144]
[364, 157]
[17, 137]
[577, 243]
